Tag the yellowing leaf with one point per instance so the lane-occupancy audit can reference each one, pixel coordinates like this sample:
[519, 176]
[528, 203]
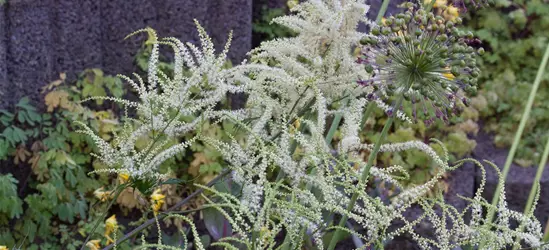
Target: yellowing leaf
[199, 159]
[131, 198]
[57, 98]
[63, 159]
[52, 85]
[21, 155]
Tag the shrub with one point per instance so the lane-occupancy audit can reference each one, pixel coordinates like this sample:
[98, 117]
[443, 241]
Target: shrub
[289, 179]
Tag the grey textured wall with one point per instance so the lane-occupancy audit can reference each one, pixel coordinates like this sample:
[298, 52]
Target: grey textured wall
[40, 38]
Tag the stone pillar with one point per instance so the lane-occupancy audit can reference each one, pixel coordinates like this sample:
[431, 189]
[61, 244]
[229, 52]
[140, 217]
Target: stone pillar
[3, 49]
[225, 16]
[77, 39]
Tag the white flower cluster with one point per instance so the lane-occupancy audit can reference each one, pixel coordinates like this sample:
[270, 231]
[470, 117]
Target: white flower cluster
[451, 230]
[291, 179]
[164, 102]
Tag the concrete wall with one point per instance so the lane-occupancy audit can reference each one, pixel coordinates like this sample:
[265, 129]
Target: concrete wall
[40, 38]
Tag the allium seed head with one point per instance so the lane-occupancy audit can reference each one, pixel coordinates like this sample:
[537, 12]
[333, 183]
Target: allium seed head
[423, 57]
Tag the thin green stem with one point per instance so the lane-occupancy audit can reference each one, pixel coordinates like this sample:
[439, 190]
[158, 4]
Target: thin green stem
[382, 10]
[335, 123]
[173, 208]
[366, 115]
[328, 140]
[104, 214]
[430, 6]
[522, 124]
[366, 171]
[535, 186]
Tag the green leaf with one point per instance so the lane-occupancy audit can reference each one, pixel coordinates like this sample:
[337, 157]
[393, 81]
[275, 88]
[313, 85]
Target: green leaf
[69, 176]
[144, 186]
[21, 117]
[97, 72]
[4, 149]
[24, 104]
[91, 90]
[19, 135]
[65, 212]
[10, 204]
[216, 224]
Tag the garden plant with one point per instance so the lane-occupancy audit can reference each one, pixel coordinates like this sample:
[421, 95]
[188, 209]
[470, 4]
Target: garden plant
[290, 169]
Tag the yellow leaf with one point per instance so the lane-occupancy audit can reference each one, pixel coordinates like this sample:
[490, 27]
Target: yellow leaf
[52, 85]
[207, 178]
[106, 127]
[111, 225]
[199, 159]
[524, 162]
[157, 200]
[131, 198]
[57, 98]
[21, 155]
[94, 244]
[102, 195]
[101, 114]
[124, 177]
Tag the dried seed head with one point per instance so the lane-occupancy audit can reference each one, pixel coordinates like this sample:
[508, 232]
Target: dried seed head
[425, 58]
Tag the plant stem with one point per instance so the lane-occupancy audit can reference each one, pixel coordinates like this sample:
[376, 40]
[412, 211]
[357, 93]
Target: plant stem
[382, 10]
[430, 6]
[335, 123]
[535, 186]
[328, 140]
[173, 208]
[366, 171]
[367, 113]
[518, 135]
[119, 190]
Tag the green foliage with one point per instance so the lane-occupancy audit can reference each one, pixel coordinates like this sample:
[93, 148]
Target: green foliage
[456, 136]
[10, 204]
[57, 205]
[94, 83]
[268, 30]
[514, 34]
[14, 124]
[58, 194]
[60, 182]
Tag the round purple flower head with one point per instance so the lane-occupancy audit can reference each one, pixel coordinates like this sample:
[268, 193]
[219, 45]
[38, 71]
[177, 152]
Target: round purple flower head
[424, 58]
